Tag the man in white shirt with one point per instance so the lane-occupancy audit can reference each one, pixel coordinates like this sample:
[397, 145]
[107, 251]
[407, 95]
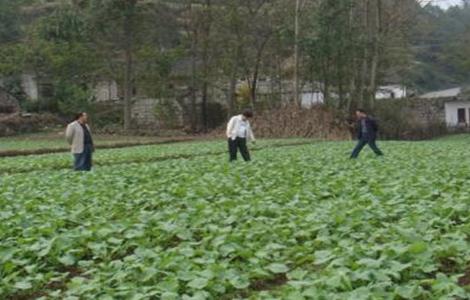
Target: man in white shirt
[238, 133]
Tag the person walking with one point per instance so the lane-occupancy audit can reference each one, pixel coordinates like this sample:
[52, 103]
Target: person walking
[367, 129]
[239, 133]
[79, 137]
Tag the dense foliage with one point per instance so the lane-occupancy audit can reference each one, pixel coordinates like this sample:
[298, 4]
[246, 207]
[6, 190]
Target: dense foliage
[192, 53]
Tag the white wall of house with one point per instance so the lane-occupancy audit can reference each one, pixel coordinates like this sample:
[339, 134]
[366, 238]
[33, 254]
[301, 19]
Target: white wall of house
[30, 86]
[312, 98]
[106, 91]
[391, 92]
[452, 113]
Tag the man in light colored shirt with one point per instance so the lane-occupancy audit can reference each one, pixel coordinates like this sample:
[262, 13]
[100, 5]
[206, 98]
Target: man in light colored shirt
[79, 137]
[238, 133]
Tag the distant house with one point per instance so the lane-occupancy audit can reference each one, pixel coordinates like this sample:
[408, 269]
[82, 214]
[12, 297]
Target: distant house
[311, 98]
[106, 90]
[394, 91]
[36, 89]
[455, 104]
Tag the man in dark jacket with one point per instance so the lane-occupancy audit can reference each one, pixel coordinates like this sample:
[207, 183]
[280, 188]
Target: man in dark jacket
[366, 133]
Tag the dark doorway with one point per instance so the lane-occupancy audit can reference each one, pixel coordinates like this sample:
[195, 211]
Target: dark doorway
[461, 116]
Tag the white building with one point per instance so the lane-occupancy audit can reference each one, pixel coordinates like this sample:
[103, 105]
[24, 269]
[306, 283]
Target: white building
[103, 90]
[311, 98]
[457, 107]
[394, 91]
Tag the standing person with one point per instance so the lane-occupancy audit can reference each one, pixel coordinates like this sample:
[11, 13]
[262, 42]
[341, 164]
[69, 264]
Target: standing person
[238, 133]
[79, 137]
[367, 129]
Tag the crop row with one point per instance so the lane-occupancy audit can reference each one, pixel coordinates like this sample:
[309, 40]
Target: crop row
[138, 154]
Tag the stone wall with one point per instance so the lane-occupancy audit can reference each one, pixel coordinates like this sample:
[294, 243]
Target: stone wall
[427, 111]
[8, 104]
[423, 111]
[157, 114]
[143, 113]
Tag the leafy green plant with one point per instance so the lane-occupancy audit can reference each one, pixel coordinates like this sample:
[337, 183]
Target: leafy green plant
[303, 222]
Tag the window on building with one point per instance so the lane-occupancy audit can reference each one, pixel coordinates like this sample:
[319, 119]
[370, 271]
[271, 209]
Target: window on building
[461, 116]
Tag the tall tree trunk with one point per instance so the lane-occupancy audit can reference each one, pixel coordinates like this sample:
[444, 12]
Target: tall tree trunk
[254, 80]
[205, 116]
[326, 80]
[352, 97]
[205, 65]
[129, 67]
[365, 58]
[233, 84]
[375, 53]
[341, 96]
[296, 54]
[193, 88]
[128, 90]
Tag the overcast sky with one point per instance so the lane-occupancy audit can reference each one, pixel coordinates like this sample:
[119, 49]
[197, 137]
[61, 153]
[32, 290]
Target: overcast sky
[444, 3]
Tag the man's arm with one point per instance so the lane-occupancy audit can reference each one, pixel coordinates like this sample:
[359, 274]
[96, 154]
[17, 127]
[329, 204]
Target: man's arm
[69, 132]
[230, 127]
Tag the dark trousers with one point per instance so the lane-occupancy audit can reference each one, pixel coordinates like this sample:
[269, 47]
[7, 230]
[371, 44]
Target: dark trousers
[361, 143]
[238, 144]
[83, 160]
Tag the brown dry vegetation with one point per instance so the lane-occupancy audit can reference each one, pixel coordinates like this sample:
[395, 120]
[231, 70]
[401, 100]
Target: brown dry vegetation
[291, 121]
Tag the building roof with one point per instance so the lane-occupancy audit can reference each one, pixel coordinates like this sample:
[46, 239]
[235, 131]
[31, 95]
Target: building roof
[449, 93]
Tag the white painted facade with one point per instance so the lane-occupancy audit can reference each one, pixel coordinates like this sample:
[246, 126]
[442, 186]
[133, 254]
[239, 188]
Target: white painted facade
[310, 99]
[452, 113]
[391, 92]
[106, 91]
[30, 86]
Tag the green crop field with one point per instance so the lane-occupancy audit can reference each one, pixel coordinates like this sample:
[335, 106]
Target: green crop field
[56, 140]
[298, 222]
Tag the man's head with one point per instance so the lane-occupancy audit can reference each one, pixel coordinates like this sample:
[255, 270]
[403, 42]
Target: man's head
[247, 113]
[81, 117]
[361, 113]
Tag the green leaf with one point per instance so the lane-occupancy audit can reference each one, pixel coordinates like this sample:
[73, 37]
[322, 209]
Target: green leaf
[277, 268]
[198, 283]
[67, 260]
[169, 296]
[323, 256]
[239, 282]
[408, 291]
[23, 285]
[418, 248]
